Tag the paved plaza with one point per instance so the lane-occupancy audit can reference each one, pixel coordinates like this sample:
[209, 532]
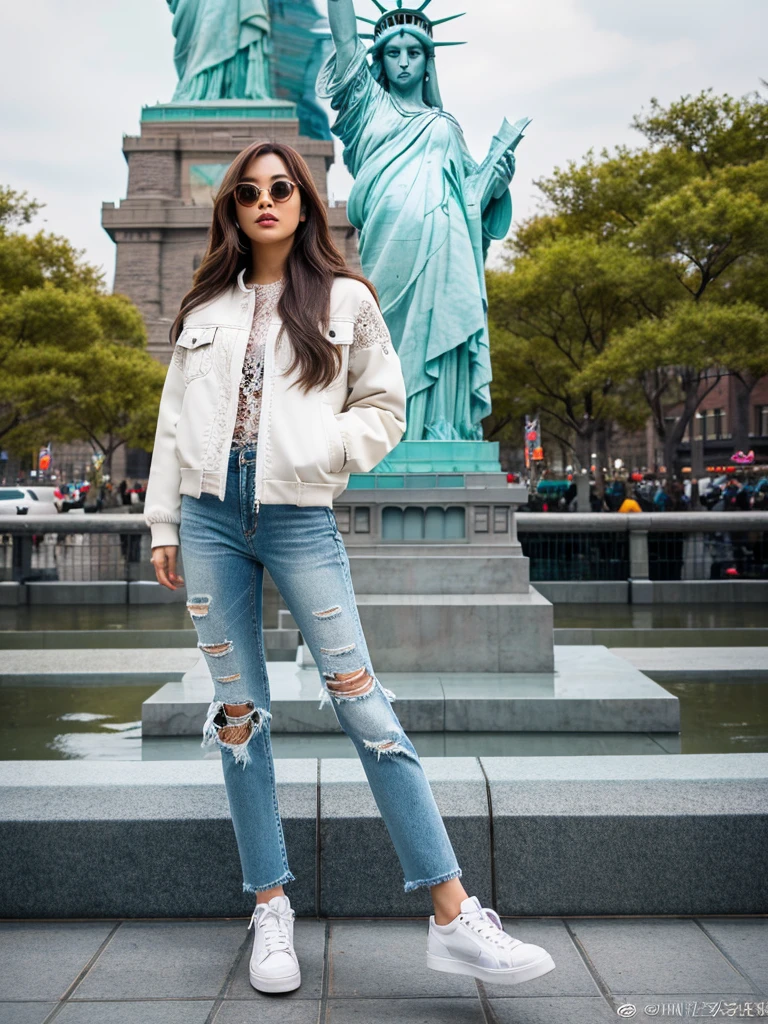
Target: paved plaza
[372, 970]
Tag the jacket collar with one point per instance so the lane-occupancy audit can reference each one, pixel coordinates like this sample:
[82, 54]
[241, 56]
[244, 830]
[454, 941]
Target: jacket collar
[241, 281]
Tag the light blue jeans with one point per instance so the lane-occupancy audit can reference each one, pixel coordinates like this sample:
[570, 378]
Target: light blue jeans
[225, 547]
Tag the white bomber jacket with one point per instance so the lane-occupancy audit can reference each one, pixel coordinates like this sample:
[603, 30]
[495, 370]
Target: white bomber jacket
[308, 442]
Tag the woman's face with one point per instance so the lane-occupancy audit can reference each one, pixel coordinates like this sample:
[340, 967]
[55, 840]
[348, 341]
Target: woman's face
[404, 61]
[282, 218]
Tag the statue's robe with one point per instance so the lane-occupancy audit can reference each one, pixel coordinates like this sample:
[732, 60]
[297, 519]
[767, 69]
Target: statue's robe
[423, 243]
[222, 49]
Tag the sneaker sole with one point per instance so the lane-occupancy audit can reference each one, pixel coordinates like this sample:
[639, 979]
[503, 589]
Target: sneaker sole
[502, 976]
[288, 984]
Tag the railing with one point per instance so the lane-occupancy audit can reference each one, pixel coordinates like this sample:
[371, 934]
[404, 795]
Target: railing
[560, 546]
[645, 545]
[74, 548]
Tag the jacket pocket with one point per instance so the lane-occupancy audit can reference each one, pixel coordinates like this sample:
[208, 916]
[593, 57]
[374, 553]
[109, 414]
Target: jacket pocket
[333, 439]
[195, 347]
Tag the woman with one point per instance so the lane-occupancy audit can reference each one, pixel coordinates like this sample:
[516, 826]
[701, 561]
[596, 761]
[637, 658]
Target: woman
[256, 435]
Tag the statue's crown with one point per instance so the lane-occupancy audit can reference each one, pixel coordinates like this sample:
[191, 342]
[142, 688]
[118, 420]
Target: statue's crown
[406, 18]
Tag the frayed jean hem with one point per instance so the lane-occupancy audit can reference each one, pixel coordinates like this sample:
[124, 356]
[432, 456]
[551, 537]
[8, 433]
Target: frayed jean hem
[287, 877]
[410, 886]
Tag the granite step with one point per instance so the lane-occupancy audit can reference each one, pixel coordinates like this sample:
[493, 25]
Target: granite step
[591, 690]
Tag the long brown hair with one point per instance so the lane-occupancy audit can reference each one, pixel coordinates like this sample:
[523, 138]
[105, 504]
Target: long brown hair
[312, 264]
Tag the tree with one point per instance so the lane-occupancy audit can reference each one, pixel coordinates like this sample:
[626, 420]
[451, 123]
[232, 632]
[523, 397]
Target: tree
[73, 360]
[551, 319]
[684, 217]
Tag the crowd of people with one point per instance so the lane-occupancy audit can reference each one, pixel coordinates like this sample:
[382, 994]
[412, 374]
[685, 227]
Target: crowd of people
[739, 491]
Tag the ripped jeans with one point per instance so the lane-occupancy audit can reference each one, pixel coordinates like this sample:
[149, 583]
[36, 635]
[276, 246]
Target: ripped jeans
[225, 547]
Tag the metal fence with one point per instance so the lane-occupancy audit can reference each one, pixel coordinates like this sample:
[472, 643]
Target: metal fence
[561, 547]
[654, 546]
[74, 548]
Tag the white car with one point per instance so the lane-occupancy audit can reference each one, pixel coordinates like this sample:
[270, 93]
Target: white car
[39, 501]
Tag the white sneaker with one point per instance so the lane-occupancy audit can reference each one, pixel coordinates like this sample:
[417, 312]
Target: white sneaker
[475, 943]
[274, 966]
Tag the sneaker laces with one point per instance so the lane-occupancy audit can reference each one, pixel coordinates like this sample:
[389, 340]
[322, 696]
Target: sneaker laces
[487, 924]
[273, 925]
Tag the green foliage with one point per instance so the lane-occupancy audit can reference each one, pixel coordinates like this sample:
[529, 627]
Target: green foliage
[73, 360]
[644, 270]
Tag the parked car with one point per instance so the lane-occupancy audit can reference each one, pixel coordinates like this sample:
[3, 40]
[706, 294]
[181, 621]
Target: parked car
[38, 501]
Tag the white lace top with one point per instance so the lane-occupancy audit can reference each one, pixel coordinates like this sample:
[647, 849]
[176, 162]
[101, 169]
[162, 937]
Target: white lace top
[249, 403]
[370, 329]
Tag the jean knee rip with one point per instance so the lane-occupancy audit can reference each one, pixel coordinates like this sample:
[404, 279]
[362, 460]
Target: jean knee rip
[198, 605]
[217, 650]
[240, 729]
[391, 747]
[358, 685]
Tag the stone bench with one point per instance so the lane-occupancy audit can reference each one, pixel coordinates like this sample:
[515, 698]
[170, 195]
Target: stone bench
[534, 836]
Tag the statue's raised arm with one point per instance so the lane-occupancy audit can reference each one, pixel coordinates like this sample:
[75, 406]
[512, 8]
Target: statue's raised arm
[343, 22]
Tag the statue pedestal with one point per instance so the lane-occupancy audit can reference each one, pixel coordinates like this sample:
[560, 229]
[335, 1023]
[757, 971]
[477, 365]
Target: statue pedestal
[220, 110]
[442, 457]
[441, 581]
[175, 166]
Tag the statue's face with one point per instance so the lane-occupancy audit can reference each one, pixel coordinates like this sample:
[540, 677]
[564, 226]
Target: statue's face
[404, 62]
[264, 171]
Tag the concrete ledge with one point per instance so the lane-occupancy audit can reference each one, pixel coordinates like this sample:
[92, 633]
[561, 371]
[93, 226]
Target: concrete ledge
[533, 835]
[577, 592]
[56, 593]
[638, 636]
[700, 591]
[710, 664]
[591, 690]
[280, 644]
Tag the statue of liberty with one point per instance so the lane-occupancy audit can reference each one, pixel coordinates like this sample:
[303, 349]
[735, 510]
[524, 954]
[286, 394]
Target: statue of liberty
[425, 210]
[222, 49]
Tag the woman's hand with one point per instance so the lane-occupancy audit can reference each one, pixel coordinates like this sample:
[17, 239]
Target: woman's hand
[164, 561]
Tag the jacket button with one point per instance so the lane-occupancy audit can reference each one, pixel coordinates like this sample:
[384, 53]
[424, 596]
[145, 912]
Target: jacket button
[332, 334]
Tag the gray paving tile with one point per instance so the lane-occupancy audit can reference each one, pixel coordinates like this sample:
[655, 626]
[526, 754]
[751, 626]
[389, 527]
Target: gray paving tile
[744, 942]
[404, 1011]
[545, 1010]
[570, 976]
[271, 1009]
[133, 1012]
[387, 959]
[24, 1013]
[653, 955]
[40, 960]
[164, 960]
[309, 943]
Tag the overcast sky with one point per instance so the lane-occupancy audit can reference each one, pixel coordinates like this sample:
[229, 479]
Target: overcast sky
[74, 76]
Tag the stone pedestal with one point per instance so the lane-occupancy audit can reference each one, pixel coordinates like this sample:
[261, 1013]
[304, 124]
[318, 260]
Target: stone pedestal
[441, 580]
[174, 167]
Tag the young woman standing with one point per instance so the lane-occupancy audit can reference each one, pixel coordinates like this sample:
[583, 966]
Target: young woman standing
[282, 382]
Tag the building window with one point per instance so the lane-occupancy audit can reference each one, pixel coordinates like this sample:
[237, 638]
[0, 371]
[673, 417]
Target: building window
[711, 425]
[761, 420]
[719, 424]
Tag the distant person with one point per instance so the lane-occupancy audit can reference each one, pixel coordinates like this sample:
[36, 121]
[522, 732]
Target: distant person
[629, 505]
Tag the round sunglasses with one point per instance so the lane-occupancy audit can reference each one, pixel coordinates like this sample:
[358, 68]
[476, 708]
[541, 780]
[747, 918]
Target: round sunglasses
[248, 194]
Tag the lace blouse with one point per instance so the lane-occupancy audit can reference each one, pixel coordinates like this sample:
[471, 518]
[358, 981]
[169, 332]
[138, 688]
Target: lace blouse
[369, 329]
[249, 402]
